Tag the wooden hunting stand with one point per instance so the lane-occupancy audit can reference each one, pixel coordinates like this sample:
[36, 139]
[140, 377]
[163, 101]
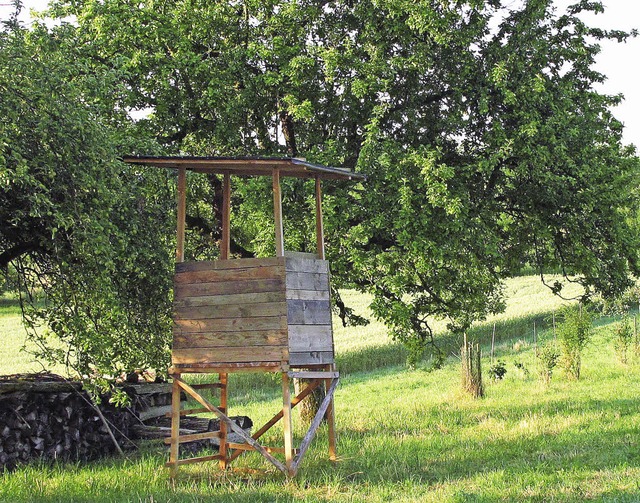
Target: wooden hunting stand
[251, 315]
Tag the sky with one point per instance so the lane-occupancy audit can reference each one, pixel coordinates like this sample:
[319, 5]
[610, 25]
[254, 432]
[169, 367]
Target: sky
[619, 62]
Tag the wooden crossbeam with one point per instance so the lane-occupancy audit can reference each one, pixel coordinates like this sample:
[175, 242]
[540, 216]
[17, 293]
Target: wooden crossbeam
[182, 439]
[231, 424]
[303, 374]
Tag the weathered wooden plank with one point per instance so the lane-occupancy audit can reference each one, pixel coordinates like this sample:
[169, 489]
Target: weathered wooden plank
[312, 265]
[217, 367]
[195, 356]
[307, 281]
[236, 274]
[230, 324]
[315, 331]
[205, 265]
[308, 312]
[308, 294]
[230, 339]
[313, 340]
[224, 288]
[236, 311]
[310, 358]
[230, 299]
[297, 254]
[310, 374]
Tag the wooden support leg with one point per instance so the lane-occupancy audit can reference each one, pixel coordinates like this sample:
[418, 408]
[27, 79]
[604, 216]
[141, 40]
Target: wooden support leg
[288, 426]
[175, 427]
[331, 419]
[223, 426]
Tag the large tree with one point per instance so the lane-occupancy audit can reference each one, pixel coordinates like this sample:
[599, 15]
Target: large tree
[83, 237]
[486, 145]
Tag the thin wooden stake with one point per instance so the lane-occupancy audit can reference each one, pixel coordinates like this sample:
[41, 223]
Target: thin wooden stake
[288, 425]
[319, 223]
[223, 426]
[493, 341]
[182, 212]
[225, 244]
[175, 427]
[277, 213]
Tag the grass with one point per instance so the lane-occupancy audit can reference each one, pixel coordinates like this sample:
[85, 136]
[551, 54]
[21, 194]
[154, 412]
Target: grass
[411, 435]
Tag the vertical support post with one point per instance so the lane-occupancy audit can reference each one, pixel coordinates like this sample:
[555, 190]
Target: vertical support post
[287, 422]
[277, 213]
[175, 428]
[319, 223]
[331, 418]
[224, 461]
[182, 212]
[225, 245]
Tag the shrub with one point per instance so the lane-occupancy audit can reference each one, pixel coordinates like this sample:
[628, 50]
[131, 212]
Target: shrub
[623, 338]
[574, 332]
[497, 370]
[548, 356]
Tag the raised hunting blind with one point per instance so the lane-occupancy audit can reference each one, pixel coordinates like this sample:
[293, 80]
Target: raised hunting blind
[252, 315]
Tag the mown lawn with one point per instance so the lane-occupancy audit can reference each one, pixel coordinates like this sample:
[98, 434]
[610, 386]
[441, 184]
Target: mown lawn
[412, 435]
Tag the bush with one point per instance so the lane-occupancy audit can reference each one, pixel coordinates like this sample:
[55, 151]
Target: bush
[623, 338]
[497, 370]
[548, 356]
[574, 332]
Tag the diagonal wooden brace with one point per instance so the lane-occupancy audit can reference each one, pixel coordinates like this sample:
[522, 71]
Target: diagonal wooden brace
[306, 441]
[231, 424]
[274, 420]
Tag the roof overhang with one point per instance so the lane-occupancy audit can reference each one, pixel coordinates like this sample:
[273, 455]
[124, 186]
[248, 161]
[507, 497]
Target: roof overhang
[247, 166]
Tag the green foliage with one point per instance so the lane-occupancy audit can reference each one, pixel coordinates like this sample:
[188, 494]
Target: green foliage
[574, 332]
[623, 338]
[497, 371]
[88, 238]
[548, 356]
[486, 145]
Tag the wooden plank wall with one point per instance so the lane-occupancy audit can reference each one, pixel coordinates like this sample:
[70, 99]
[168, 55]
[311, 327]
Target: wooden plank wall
[308, 310]
[230, 311]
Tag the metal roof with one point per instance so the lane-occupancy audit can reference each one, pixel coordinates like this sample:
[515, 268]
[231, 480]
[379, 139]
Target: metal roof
[247, 166]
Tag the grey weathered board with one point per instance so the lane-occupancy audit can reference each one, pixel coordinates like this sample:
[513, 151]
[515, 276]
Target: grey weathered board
[252, 311]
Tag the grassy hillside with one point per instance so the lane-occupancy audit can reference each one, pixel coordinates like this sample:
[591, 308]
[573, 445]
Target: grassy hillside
[412, 435]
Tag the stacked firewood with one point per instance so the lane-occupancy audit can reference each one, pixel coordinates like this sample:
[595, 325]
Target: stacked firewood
[55, 419]
[48, 417]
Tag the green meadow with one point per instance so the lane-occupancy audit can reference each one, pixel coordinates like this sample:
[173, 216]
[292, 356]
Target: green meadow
[403, 435]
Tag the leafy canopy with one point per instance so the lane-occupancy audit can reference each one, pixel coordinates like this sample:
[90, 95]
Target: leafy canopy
[486, 144]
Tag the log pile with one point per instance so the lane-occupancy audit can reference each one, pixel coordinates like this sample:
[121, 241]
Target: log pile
[54, 419]
[50, 418]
